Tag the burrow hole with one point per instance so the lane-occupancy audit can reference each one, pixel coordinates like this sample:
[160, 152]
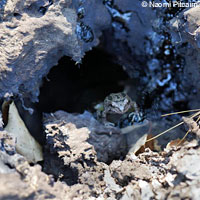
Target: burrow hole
[75, 88]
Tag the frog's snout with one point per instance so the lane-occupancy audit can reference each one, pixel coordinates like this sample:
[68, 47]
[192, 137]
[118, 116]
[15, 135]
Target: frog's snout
[119, 106]
[121, 109]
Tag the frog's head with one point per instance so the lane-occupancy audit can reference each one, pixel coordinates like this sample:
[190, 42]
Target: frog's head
[118, 102]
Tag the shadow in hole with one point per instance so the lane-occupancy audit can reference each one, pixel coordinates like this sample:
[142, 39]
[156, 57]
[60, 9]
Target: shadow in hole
[74, 88]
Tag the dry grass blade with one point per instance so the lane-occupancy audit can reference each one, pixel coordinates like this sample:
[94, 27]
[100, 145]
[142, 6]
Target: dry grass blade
[180, 112]
[198, 119]
[183, 138]
[173, 127]
[187, 133]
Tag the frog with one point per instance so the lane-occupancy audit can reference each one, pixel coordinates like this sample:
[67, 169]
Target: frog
[117, 106]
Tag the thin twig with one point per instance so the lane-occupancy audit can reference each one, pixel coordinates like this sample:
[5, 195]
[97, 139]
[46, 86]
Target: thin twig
[192, 116]
[187, 133]
[183, 138]
[180, 112]
[165, 131]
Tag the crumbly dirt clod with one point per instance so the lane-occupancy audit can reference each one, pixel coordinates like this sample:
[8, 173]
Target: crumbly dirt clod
[70, 158]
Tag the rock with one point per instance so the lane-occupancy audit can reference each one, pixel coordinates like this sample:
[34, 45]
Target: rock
[90, 25]
[70, 158]
[20, 180]
[9, 159]
[34, 35]
[186, 26]
[107, 142]
[29, 47]
[34, 184]
[128, 170]
[122, 39]
[146, 191]
[185, 30]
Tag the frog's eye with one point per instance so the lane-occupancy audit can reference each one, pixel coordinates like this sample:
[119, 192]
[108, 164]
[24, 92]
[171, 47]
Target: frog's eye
[123, 94]
[110, 98]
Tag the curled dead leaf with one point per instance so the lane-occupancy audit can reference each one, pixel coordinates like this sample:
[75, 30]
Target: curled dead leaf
[146, 144]
[175, 143]
[26, 145]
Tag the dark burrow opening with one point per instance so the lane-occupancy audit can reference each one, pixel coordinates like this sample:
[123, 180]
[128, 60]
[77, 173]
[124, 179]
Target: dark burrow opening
[75, 88]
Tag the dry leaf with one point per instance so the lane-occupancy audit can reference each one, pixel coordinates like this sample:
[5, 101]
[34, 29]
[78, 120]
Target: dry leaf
[174, 143]
[149, 145]
[26, 145]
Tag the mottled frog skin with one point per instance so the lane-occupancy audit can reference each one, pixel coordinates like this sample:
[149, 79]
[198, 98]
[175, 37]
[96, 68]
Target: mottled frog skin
[116, 104]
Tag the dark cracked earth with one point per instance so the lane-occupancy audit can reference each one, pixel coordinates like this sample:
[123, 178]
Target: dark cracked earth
[59, 60]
